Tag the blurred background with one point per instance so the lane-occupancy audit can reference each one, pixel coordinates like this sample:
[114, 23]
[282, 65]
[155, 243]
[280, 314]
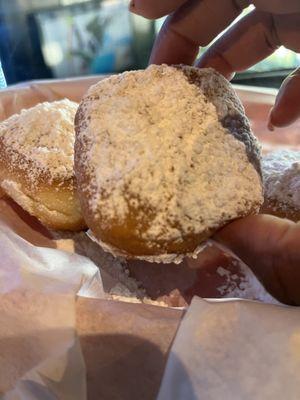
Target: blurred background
[43, 39]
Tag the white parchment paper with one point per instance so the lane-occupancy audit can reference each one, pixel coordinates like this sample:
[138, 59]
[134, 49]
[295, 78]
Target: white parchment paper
[233, 350]
[39, 352]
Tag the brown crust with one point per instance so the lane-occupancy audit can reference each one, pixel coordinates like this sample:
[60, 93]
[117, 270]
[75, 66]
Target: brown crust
[221, 93]
[122, 235]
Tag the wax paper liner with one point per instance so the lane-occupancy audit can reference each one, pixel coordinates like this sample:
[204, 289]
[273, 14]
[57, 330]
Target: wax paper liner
[39, 351]
[233, 350]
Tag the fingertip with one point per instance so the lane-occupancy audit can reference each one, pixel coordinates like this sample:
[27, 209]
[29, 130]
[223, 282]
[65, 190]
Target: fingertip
[271, 127]
[173, 48]
[270, 123]
[153, 9]
[146, 11]
[279, 118]
[216, 62]
[132, 7]
[286, 109]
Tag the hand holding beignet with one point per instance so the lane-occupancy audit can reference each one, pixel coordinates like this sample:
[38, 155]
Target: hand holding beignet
[164, 158]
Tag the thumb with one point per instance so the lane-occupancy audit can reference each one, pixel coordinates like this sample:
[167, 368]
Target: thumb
[287, 105]
[270, 247]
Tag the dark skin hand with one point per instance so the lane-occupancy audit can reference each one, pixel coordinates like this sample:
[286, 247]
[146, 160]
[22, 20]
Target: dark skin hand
[268, 245]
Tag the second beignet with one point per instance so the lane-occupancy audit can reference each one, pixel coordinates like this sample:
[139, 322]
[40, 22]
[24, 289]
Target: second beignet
[36, 163]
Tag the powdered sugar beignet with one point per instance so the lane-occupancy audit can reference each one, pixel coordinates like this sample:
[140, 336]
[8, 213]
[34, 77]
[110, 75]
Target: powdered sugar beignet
[163, 158]
[281, 175]
[36, 163]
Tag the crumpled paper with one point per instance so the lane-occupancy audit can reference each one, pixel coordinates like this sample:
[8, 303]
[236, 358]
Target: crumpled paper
[59, 338]
[234, 350]
[38, 341]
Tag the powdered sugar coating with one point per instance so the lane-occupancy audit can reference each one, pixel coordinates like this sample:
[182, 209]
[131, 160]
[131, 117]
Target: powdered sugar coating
[281, 174]
[230, 110]
[154, 149]
[40, 141]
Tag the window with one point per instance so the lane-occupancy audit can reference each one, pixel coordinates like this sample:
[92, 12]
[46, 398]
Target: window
[62, 38]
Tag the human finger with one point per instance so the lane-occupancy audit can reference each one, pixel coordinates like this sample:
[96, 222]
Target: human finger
[157, 8]
[252, 39]
[247, 42]
[270, 247]
[195, 23]
[278, 6]
[287, 105]
[153, 9]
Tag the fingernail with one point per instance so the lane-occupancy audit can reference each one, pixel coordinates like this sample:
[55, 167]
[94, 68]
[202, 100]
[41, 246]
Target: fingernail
[271, 127]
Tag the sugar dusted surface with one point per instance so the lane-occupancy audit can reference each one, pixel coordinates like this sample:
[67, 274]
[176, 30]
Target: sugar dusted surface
[155, 145]
[281, 173]
[245, 286]
[40, 140]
